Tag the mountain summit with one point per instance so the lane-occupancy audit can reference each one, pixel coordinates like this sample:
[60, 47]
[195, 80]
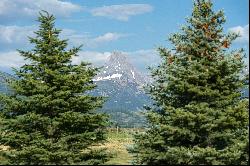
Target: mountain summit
[120, 70]
[4, 77]
[123, 84]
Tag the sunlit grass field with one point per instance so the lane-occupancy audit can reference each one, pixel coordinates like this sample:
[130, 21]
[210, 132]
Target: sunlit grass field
[116, 145]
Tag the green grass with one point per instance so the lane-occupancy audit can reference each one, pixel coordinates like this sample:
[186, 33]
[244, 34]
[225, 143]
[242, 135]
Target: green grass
[3, 161]
[117, 143]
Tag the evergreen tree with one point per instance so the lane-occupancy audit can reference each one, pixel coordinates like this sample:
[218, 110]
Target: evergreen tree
[199, 116]
[51, 119]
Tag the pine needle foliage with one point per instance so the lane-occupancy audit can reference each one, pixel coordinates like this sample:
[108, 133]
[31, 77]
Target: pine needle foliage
[51, 119]
[199, 116]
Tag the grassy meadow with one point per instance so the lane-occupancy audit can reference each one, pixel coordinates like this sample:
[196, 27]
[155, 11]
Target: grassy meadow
[117, 143]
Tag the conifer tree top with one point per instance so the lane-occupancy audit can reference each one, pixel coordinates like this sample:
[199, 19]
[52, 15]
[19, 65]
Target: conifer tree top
[199, 116]
[50, 119]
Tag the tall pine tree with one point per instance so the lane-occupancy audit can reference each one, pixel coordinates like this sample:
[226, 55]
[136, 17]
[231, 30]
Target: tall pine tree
[198, 116]
[51, 119]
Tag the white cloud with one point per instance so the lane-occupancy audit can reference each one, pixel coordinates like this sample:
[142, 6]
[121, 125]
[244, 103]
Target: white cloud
[14, 59]
[16, 9]
[13, 35]
[148, 57]
[12, 10]
[144, 58]
[89, 41]
[11, 59]
[121, 12]
[107, 37]
[97, 58]
[74, 37]
[244, 33]
[141, 59]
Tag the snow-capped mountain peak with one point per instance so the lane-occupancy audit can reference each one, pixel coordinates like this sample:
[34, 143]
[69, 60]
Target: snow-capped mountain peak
[117, 57]
[108, 77]
[119, 69]
[122, 83]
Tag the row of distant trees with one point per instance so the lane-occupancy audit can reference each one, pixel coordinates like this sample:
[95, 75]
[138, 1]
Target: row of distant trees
[198, 116]
[126, 118]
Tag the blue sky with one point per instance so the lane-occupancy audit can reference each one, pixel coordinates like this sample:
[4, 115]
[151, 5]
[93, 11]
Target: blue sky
[134, 27]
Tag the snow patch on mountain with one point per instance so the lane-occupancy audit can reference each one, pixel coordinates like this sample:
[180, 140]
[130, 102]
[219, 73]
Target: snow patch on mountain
[118, 63]
[108, 77]
[133, 73]
[122, 83]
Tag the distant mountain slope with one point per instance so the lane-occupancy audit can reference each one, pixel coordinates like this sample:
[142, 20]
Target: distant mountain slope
[4, 77]
[123, 84]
